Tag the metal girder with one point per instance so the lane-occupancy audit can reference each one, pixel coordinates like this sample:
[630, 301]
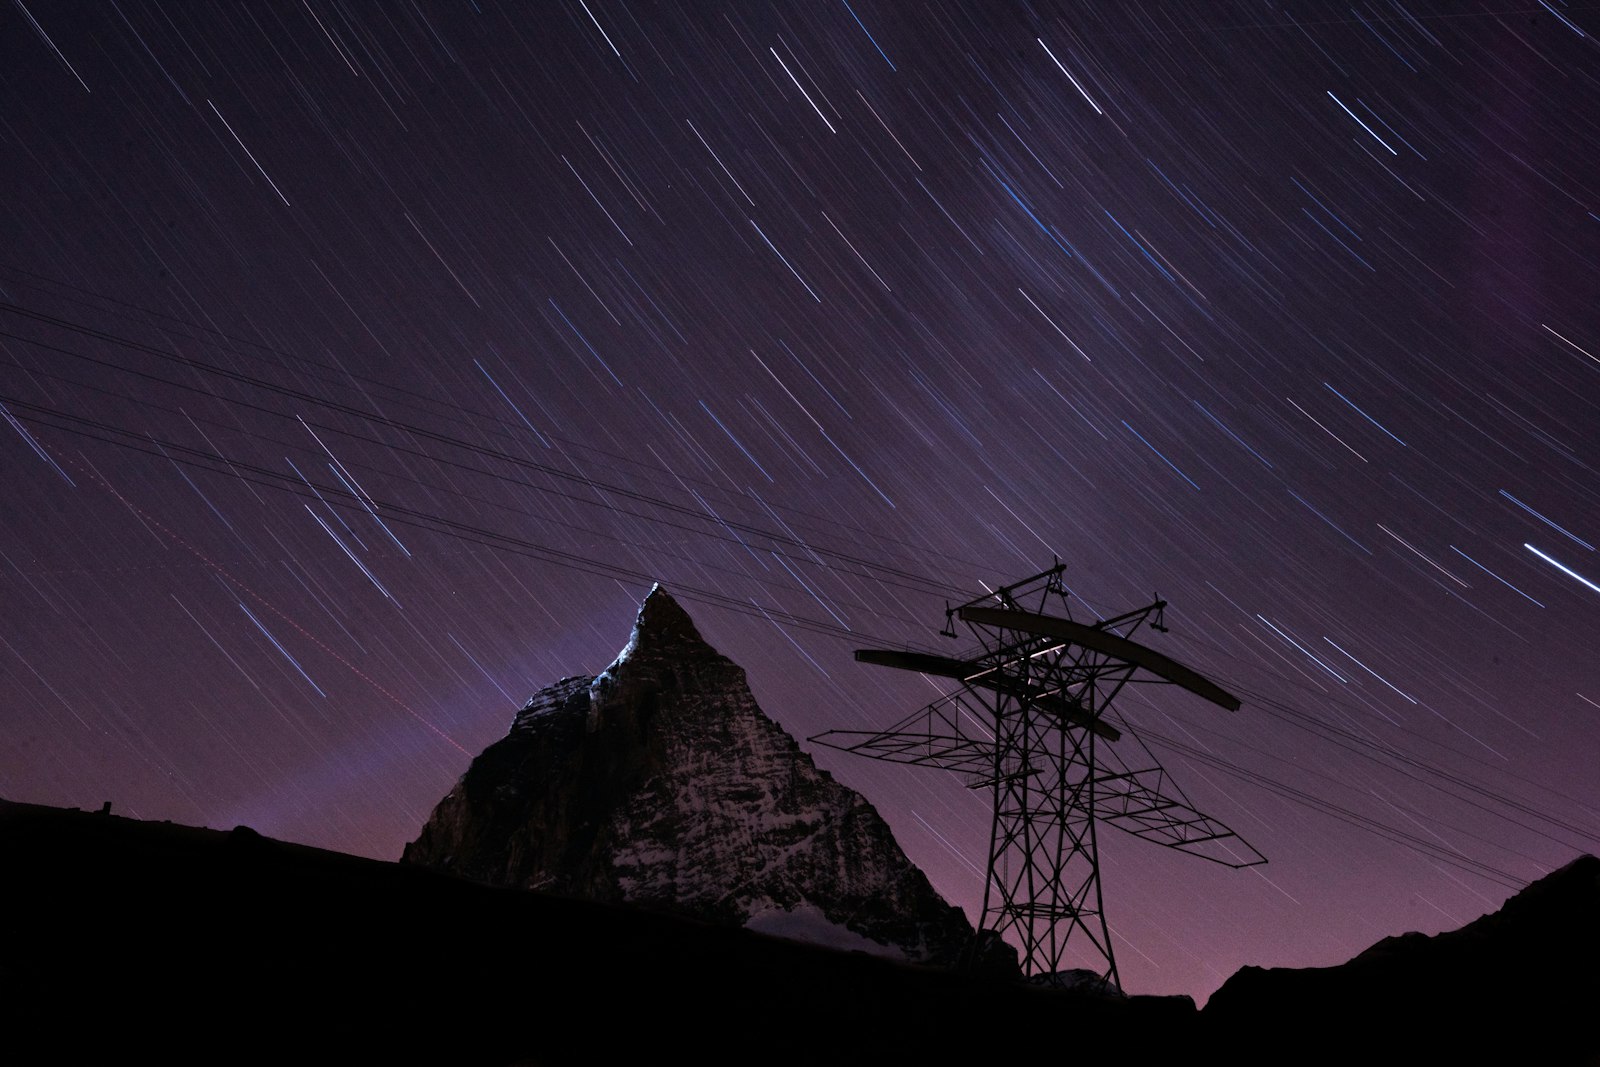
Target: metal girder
[1146, 812]
[1025, 725]
[1108, 643]
[988, 677]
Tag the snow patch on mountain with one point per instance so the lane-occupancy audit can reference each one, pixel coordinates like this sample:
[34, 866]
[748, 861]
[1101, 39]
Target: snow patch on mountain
[807, 922]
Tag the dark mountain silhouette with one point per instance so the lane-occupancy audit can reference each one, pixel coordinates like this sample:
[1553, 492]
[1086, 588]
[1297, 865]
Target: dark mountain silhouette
[151, 942]
[661, 783]
[130, 940]
[1520, 984]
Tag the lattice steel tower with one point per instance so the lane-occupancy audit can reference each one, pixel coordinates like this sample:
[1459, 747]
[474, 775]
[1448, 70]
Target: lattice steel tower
[1029, 724]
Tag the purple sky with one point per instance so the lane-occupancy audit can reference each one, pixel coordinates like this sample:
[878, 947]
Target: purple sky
[362, 364]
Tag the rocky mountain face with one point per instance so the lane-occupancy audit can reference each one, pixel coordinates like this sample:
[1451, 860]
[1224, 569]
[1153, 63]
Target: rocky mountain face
[662, 784]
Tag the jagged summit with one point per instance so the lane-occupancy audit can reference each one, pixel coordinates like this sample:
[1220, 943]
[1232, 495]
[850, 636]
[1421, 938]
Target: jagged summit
[661, 630]
[661, 783]
[661, 617]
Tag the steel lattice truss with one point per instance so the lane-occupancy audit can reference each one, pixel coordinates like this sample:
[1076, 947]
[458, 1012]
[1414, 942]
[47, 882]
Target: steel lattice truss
[1028, 724]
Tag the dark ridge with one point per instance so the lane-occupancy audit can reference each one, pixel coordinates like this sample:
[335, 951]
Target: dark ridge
[148, 941]
[1521, 985]
[129, 940]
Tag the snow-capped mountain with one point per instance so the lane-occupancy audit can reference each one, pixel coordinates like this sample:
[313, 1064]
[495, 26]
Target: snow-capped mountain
[661, 783]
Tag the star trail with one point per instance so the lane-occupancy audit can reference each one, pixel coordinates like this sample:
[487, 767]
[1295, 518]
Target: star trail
[362, 365]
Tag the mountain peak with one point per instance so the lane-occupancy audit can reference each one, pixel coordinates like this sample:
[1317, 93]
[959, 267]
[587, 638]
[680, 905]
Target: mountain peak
[661, 783]
[663, 636]
[661, 631]
[659, 614]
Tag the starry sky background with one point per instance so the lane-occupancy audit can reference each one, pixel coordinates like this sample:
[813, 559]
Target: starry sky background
[363, 364]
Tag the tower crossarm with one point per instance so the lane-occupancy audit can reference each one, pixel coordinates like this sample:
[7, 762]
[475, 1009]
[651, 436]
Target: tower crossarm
[1030, 706]
[984, 675]
[941, 735]
[1106, 643]
[1134, 803]
[916, 748]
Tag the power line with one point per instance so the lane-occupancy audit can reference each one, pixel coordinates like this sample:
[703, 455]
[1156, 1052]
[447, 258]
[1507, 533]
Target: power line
[916, 581]
[471, 416]
[1345, 815]
[399, 513]
[231, 467]
[468, 532]
[1306, 721]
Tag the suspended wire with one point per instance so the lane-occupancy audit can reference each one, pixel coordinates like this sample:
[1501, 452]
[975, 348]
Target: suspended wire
[400, 514]
[1377, 751]
[1354, 743]
[1461, 830]
[503, 427]
[1345, 815]
[709, 535]
[219, 463]
[1306, 721]
[916, 581]
[414, 518]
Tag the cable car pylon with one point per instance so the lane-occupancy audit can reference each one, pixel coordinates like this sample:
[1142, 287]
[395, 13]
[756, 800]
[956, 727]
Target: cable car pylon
[1028, 724]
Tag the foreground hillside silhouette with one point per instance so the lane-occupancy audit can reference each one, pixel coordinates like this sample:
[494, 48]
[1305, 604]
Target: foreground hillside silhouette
[128, 939]
[201, 945]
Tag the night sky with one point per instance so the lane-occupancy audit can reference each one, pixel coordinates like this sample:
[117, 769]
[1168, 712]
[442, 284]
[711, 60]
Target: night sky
[364, 363]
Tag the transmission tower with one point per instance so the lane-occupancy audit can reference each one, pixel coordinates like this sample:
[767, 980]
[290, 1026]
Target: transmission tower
[1028, 724]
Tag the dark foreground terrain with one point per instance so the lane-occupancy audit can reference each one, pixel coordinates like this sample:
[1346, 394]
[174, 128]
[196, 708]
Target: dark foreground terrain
[162, 943]
[166, 943]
